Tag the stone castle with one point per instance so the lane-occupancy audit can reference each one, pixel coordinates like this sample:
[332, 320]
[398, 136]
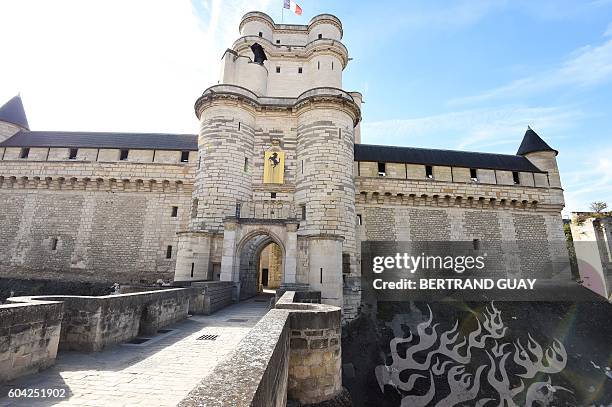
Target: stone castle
[277, 168]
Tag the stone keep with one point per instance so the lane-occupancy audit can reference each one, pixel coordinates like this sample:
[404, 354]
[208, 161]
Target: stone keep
[291, 103]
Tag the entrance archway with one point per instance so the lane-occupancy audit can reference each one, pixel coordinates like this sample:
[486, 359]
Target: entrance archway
[251, 266]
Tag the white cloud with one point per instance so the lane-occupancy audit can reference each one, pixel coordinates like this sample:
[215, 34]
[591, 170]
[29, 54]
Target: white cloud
[113, 65]
[501, 128]
[587, 66]
[608, 32]
[592, 181]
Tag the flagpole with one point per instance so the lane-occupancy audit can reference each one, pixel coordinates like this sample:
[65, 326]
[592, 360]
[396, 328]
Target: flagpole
[283, 14]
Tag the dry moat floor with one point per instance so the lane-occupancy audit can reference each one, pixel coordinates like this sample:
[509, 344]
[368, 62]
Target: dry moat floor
[158, 372]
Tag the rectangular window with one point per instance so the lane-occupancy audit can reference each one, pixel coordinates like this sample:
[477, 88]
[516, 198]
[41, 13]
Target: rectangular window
[382, 169]
[318, 64]
[320, 36]
[515, 177]
[239, 126]
[169, 252]
[246, 164]
[321, 275]
[473, 174]
[72, 155]
[174, 213]
[54, 244]
[359, 220]
[184, 156]
[332, 65]
[300, 69]
[278, 41]
[123, 155]
[260, 34]
[238, 209]
[302, 166]
[273, 195]
[25, 152]
[303, 208]
[339, 133]
[192, 267]
[428, 171]
[278, 69]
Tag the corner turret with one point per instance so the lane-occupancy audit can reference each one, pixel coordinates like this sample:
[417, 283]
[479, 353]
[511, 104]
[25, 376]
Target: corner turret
[541, 155]
[12, 118]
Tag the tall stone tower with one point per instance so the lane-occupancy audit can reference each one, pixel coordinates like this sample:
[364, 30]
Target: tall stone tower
[276, 153]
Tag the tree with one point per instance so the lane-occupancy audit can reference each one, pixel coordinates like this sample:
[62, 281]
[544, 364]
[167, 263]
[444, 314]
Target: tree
[598, 207]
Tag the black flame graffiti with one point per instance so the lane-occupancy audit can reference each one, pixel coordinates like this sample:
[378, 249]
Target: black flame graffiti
[451, 357]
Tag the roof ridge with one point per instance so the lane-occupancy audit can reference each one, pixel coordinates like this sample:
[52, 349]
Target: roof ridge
[439, 149]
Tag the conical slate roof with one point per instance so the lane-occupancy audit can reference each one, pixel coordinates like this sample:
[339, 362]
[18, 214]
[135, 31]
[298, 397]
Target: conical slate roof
[532, 143]
[13, 112]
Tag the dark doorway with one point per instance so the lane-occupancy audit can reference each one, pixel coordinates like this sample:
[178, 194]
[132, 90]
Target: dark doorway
[264, 277]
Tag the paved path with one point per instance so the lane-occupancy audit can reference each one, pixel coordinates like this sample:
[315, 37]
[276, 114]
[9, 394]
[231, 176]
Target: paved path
[159, 372]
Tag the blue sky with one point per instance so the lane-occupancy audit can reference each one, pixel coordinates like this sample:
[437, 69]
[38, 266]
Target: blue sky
[467, 75]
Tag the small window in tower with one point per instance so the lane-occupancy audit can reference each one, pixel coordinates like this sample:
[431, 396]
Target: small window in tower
[300, 69]
[260, 34]
[123, 155]
[169, 252]
[320, 36]
[246, 164]
[192, 267]
[278, 41]
[278, 69]
[174, 212]
[382, 169]
[72, 155]
[515, 177]
[303, 209]
[359, 219]
[474, 174]
[184, 156]
[239, 126]
[332, 65]
[25, 152]
[54, 244]
[318, 64]
[339, 133]
[199, 161]
[238, 209]
[428, 171]
[273, 195]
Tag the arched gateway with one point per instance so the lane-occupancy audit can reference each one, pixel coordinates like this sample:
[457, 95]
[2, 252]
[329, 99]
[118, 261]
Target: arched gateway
[245, 240]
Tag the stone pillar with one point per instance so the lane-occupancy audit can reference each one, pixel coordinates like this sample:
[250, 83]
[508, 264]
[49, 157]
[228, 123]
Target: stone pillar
[290, 260]
[229, 263]
[315, 364]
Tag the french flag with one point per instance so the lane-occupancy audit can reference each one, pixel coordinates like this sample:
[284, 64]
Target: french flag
[293, 6]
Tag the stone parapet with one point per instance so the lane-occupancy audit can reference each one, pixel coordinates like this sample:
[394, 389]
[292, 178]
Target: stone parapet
[292, 354]
[93, 323]
[29, 337]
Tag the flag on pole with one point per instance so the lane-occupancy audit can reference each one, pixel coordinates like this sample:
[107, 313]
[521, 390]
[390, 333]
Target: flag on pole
[293, 6]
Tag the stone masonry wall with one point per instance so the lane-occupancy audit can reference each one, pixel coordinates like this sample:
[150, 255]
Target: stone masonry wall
[90, 234]
[29, 337]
